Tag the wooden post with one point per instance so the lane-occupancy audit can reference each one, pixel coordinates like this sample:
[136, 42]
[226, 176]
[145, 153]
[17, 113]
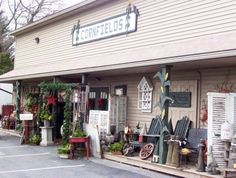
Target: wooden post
[26, 127]
[18, 104]
[54, 94]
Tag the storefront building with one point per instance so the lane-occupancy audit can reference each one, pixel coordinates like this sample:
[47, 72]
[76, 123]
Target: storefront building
[119, 47]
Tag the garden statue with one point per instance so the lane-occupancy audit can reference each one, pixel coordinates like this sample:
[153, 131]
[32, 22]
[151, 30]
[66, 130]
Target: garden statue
[211, 167]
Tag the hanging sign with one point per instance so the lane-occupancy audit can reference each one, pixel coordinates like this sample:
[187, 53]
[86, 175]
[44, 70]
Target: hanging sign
[26, 117]
[118, 25]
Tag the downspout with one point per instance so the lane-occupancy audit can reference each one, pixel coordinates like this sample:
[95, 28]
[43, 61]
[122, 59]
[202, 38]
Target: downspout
[199, 89]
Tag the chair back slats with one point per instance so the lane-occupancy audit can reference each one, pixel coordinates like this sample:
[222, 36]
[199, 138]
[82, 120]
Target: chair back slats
[182, 127]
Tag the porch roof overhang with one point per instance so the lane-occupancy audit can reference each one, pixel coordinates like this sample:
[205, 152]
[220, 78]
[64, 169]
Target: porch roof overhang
[197, 61]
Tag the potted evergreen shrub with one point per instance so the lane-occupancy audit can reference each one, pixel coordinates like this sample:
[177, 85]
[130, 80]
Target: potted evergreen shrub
[45, 115]
[116, 148]
[64, 151]
[35, 139]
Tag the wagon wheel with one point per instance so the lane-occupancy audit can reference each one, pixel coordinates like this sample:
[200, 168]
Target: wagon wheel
[146, 151]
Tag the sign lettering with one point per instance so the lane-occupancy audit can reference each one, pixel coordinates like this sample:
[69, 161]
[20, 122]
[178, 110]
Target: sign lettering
[118, 25]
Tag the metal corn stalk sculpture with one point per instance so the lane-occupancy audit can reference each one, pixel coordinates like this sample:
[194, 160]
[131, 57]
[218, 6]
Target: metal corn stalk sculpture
[164, 98]
[163, 104]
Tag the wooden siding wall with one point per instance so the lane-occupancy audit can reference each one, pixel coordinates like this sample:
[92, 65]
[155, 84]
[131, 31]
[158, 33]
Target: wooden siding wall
[134, 115]
[132, 81]
[173, 27]
[213, 77]
[208, 80]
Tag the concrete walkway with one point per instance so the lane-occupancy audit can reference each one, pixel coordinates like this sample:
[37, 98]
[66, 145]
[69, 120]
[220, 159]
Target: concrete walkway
[25, 161]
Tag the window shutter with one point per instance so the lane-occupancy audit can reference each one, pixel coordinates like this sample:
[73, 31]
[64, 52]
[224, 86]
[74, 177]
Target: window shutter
[218, 109]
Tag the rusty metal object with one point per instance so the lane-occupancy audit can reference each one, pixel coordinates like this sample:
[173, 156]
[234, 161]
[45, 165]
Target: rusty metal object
[200, 164]
[146, 151]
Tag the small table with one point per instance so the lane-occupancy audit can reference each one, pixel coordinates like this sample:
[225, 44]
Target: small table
[74, 140]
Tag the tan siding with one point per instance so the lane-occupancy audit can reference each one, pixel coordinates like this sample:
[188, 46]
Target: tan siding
[133, 114]
[159, 22]
[209, 79]
[214, 77]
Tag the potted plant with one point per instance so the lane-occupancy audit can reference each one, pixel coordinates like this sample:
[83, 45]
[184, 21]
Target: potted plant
[116, 148]
[45, 115]
[31, 102]
[35, 139]
[79, 133]
[64, 151]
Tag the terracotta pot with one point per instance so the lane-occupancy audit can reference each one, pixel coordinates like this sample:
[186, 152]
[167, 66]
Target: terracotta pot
[116, 153]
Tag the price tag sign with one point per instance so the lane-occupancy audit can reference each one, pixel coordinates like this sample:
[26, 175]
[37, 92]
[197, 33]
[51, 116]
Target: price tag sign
[26, 117]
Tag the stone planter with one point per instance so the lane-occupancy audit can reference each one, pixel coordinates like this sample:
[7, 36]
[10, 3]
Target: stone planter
[46, 135]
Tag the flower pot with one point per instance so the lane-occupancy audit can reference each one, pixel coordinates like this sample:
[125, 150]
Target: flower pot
[64, 156]
[116, 152]
[46, 123]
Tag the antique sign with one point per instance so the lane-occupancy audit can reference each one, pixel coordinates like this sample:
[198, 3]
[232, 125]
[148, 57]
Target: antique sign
[181, 99]
[118, 25]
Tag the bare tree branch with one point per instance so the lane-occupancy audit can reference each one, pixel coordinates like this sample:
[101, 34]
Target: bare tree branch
[22, 12]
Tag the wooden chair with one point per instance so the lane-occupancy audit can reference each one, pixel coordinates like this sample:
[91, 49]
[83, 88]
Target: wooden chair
[194, 136]
[182, 127]
[192, 141]
[153, 133]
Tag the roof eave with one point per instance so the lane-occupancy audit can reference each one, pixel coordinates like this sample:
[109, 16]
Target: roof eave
[85, 5]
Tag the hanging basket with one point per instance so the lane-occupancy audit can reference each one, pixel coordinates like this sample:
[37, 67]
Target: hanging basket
[51, 100]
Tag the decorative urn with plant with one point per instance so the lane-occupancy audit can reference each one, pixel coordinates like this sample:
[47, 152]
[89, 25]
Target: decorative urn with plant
[45, 115]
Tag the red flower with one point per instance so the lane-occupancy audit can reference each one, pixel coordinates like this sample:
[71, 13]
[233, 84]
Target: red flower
[51, 100]
[99, 103]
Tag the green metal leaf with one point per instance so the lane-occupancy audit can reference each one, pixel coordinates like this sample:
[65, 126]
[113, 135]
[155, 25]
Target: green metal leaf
[166, 83]
[166, 76]
[159, 75]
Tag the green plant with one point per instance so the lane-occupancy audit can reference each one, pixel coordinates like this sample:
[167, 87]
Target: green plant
[35, 139]
[118, 146]
[45, 114]
[44, 87]
[31, 100]
[79, 133]
[64, 149]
